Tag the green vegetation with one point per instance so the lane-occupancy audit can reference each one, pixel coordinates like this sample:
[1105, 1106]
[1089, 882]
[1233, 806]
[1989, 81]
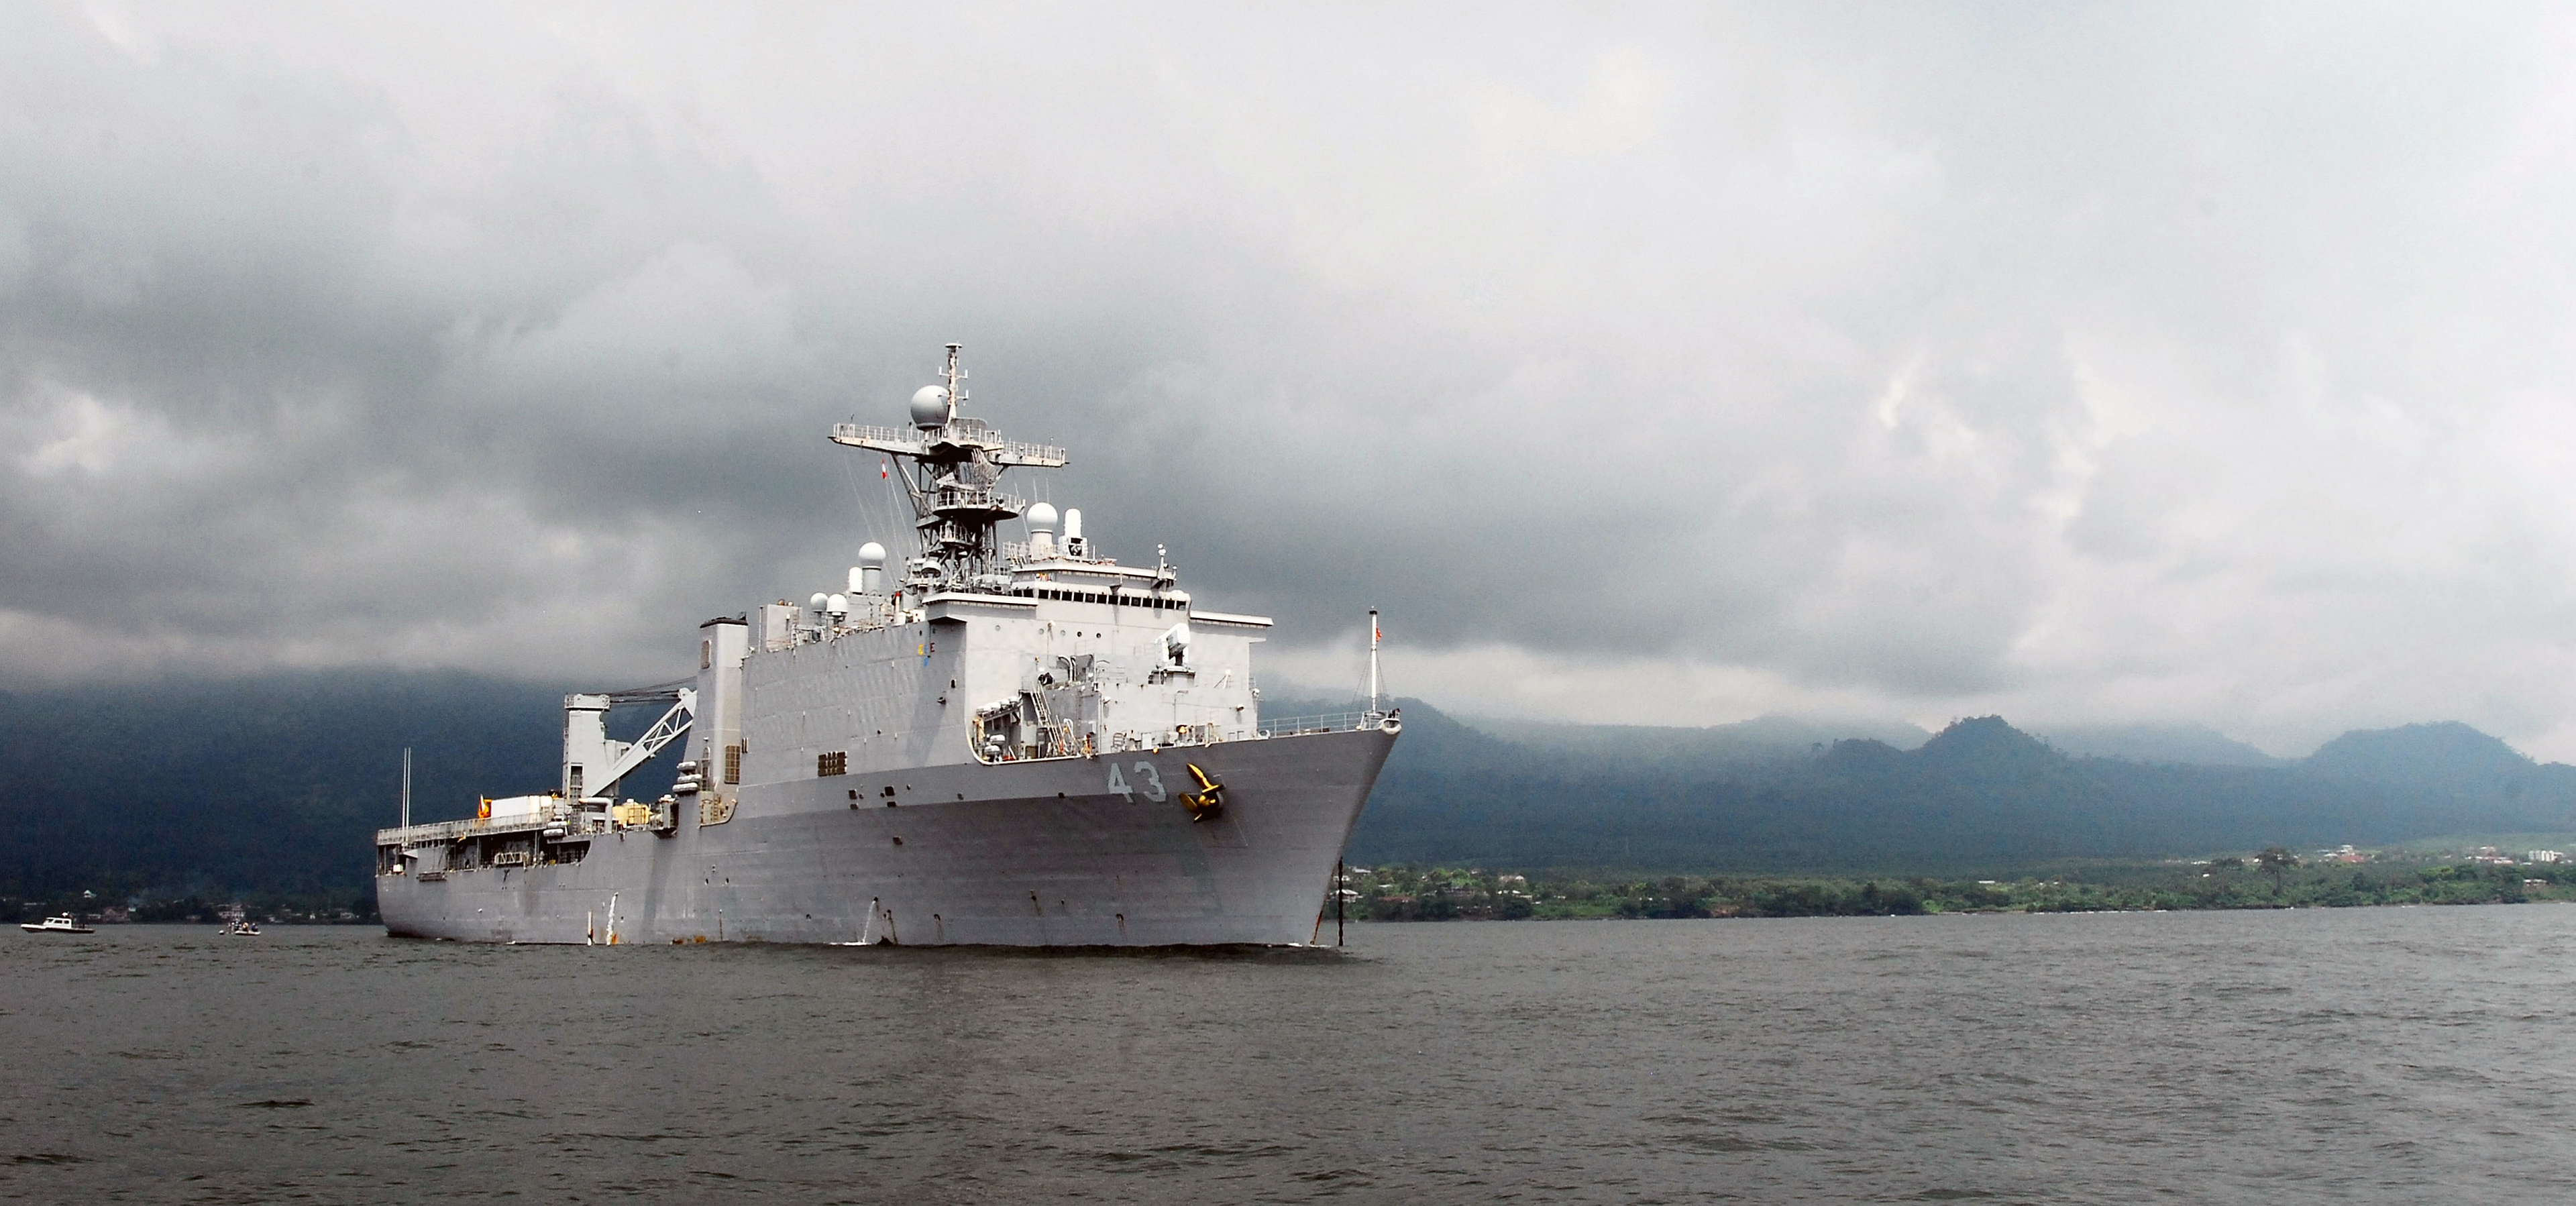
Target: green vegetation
[1404, 893]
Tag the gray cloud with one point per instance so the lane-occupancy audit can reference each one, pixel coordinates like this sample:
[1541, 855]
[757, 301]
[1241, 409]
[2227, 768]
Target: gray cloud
[1648, 364]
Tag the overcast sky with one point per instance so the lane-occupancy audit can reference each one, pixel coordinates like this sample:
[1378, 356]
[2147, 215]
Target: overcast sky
[1653, 365]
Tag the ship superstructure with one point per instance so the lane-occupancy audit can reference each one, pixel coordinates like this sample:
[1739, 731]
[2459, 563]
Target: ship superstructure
[991, 742]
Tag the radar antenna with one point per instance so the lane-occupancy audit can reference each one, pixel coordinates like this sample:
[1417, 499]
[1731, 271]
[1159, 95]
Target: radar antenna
[952, 468]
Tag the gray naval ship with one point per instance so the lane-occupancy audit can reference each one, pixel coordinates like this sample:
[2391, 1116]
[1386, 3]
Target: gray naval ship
[996, 742]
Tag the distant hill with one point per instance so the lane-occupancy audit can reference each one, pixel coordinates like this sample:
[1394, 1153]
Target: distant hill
[2184, 744]
[2449, 753]
[1979, 795]
[277, 784]
[1762, 738]
[1767, 737]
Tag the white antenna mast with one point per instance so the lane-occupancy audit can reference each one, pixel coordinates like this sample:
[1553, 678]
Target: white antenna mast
[406, 796]
[954, 373]
[1373, 640]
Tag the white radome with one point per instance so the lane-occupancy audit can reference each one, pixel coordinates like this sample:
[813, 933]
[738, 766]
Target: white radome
[873, 554]
[929, 406]
[1042, 517]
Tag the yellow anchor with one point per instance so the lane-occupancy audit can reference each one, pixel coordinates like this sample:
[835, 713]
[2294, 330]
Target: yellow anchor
[1208, 800]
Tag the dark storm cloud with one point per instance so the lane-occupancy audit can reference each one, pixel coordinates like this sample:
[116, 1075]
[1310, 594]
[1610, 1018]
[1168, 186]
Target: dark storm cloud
[1666, 364]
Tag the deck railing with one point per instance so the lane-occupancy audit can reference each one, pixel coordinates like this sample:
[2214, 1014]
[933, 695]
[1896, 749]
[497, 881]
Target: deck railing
[1329, 722]
[448, 831]
[964, 431]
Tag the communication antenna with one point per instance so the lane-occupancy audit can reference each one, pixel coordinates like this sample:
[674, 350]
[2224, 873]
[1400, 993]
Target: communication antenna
[406, 794]
[1374, 637]
[953, 374]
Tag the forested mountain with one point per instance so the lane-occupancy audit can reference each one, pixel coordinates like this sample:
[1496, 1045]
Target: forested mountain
[2449, 756]
[277, 784]
[2183, 744]
[1978, 796]
[1760, 739]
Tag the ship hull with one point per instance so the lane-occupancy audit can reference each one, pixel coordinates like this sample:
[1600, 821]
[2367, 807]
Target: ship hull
[1054, 852]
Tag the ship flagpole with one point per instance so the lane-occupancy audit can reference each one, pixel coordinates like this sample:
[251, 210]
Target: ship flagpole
[406, 792]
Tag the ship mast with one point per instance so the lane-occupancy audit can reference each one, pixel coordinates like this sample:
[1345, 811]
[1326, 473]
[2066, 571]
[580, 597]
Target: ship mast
[952, 468]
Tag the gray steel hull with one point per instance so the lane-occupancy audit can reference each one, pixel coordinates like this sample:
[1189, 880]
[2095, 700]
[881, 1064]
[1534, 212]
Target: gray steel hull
[1035, 853]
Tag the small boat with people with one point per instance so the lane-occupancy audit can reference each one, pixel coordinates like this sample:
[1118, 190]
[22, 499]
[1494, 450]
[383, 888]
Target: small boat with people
[65, 924]
[244, 928]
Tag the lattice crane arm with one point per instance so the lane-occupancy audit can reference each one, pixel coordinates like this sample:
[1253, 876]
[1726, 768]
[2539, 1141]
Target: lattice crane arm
[668, 729]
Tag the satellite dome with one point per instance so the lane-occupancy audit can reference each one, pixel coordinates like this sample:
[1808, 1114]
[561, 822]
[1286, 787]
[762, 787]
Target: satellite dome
[872, 554]
[929, 406]
[837, 605]
[819, 600]
[1042, 517]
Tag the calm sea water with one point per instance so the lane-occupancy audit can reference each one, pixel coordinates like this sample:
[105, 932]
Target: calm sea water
[2378, 1055]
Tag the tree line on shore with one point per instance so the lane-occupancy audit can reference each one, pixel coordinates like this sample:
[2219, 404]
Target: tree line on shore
[1437, 893]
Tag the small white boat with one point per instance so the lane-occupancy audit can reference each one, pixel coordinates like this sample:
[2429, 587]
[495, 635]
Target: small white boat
[240, 929]
[56, 925]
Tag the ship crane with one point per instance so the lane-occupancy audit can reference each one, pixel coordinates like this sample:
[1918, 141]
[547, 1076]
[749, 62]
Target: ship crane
[593, 762]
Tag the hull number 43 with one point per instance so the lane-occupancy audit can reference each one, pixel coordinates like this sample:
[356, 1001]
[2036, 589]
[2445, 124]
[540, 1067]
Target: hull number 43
[1148, 781]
